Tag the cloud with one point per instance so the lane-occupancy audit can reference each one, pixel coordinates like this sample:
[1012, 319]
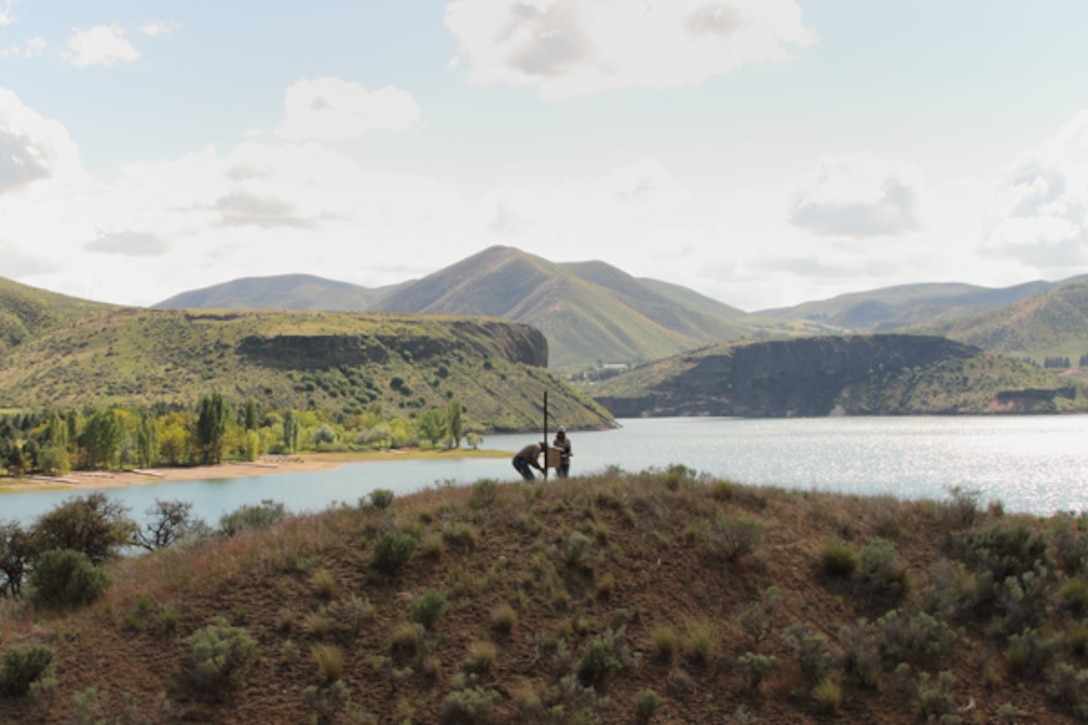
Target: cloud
[31, 48]
[17, 264]
[265, 212]
[857, 196]
[1038, 210]
[329, 109]
[32, 148]
[6, 16]
[129, 244]
[101, 45]
[152, 28]
[567, 48]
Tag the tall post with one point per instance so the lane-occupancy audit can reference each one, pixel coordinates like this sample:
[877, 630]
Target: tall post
[545, 435]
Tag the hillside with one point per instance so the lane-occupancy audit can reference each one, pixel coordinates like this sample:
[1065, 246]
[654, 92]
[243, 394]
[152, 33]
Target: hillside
[1054, 323]
[591, 312]
[658, 597]
[283, 292]
[891, 308]
[337, 362]
[27, 311]
[853, 375]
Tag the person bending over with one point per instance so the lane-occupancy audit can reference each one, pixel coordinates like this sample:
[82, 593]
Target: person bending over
[528, 458]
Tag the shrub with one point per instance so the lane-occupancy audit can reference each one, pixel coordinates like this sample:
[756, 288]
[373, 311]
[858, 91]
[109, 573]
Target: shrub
[327, 702]
[828, 695]
[428, 607]
[1070, 543]
[647, 703]
[839, 560]
[63, 579]
[483, 493]
[1067, 686]
[861, 653]
[406, 640]
[469, 705]
[461, 537]
[810, 648]
[934, 696]
[755, 667]
[699, 642]
[1028, 653]
[504, 618]
[1074, 596]
[482, 656]
[16, 552]
[355, 612]
[665, 641]
[169, 523]
[219, 654]
[963, 505]
[1005, 551]
[24, 665]
[913, 638]
[732, 537]
[324, 583]
[882, 573]
[601, 659]
[381, 498]
[392, 552]
[251, 518]
[330, 661]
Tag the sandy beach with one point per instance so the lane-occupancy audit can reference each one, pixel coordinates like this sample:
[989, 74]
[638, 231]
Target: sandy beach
[266, 465]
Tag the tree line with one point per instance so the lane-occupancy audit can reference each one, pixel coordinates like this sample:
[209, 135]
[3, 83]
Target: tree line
[59, 441]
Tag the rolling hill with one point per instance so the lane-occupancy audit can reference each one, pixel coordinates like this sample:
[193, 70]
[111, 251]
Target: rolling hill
[839, 375]
[282, 292]
[76, 354]
[1054, 323]
[27, 311]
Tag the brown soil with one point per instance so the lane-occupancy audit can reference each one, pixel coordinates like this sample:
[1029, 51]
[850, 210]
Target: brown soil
[645, 567]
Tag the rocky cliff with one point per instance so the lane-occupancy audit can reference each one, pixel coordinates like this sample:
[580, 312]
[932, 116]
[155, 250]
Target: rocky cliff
[848, 375]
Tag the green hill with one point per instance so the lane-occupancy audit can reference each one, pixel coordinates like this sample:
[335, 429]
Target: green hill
[853, 375]
[27, 311]
[337, 362]
[1054, 323]
[591, 312]
[283, 292]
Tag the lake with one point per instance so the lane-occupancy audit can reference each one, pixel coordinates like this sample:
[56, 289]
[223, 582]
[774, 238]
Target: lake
[1036, 464]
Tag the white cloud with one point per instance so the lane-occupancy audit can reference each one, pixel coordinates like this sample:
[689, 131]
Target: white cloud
[330, 109]
[857, 196]
[129, 244]
[31, 48]
[6, 16]
[32, 148]
[101, 45]
[1038, 211]
[152, 28]
[566, 48]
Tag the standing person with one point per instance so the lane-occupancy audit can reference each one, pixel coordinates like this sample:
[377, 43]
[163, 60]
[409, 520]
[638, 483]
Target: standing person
[529, 457]
[563, 444]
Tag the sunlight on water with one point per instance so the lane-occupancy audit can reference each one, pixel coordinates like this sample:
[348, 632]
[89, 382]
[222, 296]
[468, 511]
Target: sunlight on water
[1031, 464]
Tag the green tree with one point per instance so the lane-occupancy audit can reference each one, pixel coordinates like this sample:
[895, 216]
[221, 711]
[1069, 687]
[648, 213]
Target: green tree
[147, 440]
[211, 427]
[291, 430]
[454, 422]
[249, 418]
[432, 425]
[93, 525]
[101, 439]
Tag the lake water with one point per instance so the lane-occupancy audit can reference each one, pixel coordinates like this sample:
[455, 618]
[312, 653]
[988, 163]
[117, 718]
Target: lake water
[1036, 464]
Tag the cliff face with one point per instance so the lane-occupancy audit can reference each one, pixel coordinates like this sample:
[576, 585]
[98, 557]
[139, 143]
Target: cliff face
[853, 375]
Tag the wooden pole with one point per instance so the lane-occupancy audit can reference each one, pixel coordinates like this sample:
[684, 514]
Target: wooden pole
[545, 435]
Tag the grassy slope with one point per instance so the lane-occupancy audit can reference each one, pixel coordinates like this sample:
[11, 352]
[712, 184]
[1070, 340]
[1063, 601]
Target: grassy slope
[283, 292]
[128, 355]
[1054, 323]
[27, 311]
[589, 311]
[572, 560]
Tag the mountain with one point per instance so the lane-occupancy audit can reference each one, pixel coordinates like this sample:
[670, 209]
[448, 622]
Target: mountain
[848, 375]
[890, 308]
[1054, 323]
[74, 354]
[590, 311]
[284, 292]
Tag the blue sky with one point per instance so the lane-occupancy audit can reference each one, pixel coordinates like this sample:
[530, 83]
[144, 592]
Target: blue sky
[762, 152]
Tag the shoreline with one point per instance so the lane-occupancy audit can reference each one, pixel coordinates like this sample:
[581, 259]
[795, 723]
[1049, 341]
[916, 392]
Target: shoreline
[265, 465]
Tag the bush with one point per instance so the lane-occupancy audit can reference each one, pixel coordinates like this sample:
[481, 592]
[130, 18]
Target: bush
[839, 560]
[330, 661]
[734, 536]
[665, 641]
[15, 554]
[63, 579]
[1007, 551]
[828, 695]
[1029, 654]
[428, 607]
[392, 551]
[647, 703]
[934, 696]
[914, 638]
[601, 659]
[92, 525]
[882, 573]
[250, 518]
[483, 493]
[469, 705]
[22, 667]
[482, 656]
[503, 618]
[219, 654]
[1074, 596]
[381, 498]
[755, 667]
[810, 648]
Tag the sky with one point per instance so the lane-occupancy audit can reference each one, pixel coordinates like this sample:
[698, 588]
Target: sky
[761, 152]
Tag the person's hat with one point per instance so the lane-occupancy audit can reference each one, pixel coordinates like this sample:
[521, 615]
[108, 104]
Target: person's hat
[560, 429]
